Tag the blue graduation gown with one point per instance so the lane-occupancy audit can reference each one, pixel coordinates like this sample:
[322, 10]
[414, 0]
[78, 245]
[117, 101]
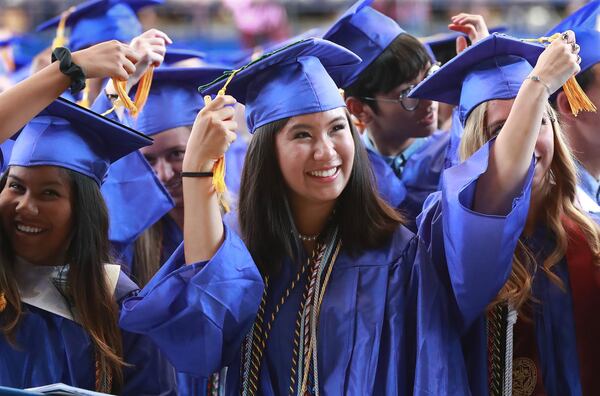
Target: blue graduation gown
[554, 330]
[588, 183]
[380, 329]
[390, 322]
[476, 248]
[54, 349]
[420, 176]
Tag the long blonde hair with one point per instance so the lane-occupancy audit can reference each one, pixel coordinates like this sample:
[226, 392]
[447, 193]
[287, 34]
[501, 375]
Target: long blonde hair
[559, 204]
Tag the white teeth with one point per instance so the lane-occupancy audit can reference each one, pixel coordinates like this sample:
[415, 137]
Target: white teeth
[28, 230]
[324, 173]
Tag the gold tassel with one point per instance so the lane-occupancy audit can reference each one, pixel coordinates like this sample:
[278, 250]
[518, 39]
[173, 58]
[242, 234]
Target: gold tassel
[219, 166]
[578, 100]
[8, 59]
[85, 97]
[2, 302]
[61, 40]
[141, 96]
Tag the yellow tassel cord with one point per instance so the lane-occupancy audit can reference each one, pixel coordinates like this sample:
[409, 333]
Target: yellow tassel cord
[219, 167]
[2, 302]
[578, 100]
[6, 54]
[85, 97]
[61, 39]
[141, 96]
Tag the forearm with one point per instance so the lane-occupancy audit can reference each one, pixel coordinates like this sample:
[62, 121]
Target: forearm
[511, 154]
[203, 226]
[22, 102]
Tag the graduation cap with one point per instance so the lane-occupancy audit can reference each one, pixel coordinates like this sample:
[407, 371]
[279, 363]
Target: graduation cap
[442, 47]
[585, 22]
[493, 68]
[302, 78]
[94, 21]
[174, 55]
[174, 100]
[72, 137]
[364, 31]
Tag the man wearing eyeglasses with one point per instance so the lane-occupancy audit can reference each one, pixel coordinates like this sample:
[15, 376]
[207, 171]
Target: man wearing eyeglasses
[407, 151]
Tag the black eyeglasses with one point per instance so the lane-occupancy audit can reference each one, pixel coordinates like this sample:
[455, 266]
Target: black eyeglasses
[407, 103]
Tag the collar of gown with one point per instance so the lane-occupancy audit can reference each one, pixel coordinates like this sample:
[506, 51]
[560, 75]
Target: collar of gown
[37, 289]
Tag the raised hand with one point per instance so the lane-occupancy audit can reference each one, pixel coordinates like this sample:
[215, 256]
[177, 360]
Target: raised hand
[472, 25]
[559, 62]
[108, 59]
[212, 133]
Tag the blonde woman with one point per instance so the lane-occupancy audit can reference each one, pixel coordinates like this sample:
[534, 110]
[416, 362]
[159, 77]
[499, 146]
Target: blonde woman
[554, 283]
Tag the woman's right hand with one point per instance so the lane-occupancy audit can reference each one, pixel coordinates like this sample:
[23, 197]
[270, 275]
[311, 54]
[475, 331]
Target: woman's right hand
[558, 62]
[212, 133]
[108, 59]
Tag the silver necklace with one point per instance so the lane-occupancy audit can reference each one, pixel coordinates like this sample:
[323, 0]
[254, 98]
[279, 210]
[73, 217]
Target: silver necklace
[308, 238]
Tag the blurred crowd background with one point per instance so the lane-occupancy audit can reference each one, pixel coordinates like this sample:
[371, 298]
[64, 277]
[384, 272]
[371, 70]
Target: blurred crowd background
[229, 25]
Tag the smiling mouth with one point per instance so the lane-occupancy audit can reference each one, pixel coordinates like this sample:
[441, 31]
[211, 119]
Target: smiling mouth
[324, 173]
[29, 230]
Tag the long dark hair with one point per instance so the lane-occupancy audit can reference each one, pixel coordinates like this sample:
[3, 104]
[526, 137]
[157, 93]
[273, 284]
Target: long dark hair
[364, 219]
[86, 286]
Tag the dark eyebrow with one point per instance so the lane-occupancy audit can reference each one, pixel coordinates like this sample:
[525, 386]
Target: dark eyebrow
[49, 184]
[300, 126]
[492, 127]
[337, 119]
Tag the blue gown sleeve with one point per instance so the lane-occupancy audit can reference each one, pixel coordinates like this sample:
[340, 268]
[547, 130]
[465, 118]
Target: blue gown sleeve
[147, 371]
[198, 314]
[476, 248]
[439, 361]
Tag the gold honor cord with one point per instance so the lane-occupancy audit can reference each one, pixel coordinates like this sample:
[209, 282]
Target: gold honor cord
[578, 100]
[141, 96]
[2, 302]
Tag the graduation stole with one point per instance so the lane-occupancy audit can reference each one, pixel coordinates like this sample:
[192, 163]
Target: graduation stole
[304, 376]
[578, 100]
[584, 279]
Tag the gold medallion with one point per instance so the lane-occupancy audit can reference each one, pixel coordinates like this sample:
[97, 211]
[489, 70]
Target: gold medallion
[524, 377]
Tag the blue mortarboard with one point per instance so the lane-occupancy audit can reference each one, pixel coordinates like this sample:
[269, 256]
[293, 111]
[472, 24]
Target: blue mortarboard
[493, 68]
[364, 31]
[442, 47]
[174, 100]
[174, 55]
[585, 22]
[295, 80]
[95, 21]
[72, 137]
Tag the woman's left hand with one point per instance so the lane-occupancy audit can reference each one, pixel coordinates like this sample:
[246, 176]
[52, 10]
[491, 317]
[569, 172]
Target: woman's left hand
[150, 47]
[472, 25]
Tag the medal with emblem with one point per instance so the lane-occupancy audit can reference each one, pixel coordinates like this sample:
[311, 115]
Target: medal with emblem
[524, 377]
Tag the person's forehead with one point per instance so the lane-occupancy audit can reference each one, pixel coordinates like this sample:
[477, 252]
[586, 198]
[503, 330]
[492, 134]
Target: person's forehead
[40, 174]
[498, 110]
